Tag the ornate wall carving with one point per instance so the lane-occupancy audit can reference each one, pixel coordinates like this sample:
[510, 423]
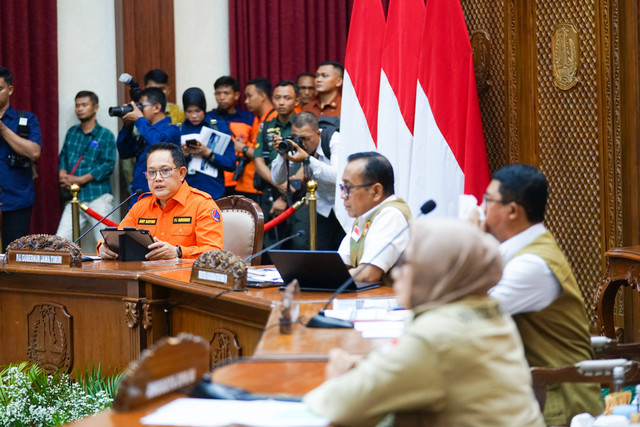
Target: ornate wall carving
[50, 343]
[485, 20]
[554, 99]
[224, 345]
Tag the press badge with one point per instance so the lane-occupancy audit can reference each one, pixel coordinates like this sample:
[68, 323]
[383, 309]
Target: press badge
[94, 144]
[22, 121]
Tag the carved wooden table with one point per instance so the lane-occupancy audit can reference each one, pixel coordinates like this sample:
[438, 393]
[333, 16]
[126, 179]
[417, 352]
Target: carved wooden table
[68, 318]
[623, 269]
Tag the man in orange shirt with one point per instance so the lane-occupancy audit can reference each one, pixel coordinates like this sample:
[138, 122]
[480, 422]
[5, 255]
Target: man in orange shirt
[328, 82]
[257, 98]
[183, 221]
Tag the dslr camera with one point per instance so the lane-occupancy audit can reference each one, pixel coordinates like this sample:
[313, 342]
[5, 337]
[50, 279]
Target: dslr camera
[134, 91]
[286, 145]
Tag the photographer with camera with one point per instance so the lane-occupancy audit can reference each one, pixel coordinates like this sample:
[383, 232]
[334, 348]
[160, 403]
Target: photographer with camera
[20, 147]
[273, 200]
[304, 147]
[146, 125]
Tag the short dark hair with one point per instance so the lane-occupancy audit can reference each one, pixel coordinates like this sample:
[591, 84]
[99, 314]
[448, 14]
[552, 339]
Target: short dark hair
[305, 75]
[155, 95]
[156, 75]
[377, 169]
[336, 65]
[262, 85]
[6, 75]
[227, 81]
[526, 186]
[285, 83]
[304, 118]
[88, 94]
[176, 152]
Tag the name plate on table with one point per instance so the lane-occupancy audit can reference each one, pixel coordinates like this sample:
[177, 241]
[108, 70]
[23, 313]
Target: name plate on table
[28, 257]
[218, 279]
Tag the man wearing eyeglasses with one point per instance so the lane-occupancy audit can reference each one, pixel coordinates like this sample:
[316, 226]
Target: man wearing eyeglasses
[184, 222]
[538, 288]
[142, 129]
[368, 192]
[318, 165]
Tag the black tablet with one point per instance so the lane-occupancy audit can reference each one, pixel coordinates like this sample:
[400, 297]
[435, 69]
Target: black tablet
[112, 235]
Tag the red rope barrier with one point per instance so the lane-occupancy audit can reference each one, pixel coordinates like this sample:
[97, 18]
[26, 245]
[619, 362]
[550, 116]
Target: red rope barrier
[284, 215]
[95, 215]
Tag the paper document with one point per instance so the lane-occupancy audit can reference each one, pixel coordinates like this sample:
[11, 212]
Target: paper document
[380, 329]
[263, 275]
[212, 412]
[214, 140]
[363, 303]
[368, 315]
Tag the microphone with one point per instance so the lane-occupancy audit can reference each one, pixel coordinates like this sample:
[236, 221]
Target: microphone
[135, 193]
[300, 233]
[320, 320]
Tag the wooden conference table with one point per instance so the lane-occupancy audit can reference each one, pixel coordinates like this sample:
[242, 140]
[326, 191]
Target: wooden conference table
[107, 312]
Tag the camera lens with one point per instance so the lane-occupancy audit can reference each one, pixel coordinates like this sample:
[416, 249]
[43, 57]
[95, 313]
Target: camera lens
[120, 110]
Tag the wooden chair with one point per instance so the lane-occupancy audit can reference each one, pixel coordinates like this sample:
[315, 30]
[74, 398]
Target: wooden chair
[588, 371]
[243, 226]
[607, 348]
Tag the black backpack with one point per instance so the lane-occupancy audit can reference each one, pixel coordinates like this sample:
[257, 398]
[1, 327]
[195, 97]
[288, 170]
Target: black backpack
[329, 125]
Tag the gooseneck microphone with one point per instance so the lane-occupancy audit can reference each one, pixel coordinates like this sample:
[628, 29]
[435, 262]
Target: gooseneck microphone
[320, 320]
[300, 233]
[135, 193]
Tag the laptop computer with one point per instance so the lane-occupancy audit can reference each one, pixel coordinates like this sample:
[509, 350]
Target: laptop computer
[316, 270]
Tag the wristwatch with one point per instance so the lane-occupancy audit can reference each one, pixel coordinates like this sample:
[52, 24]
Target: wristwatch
[179, 251]
[245, 149]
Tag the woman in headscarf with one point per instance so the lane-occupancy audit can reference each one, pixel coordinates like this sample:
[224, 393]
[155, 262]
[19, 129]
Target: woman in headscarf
[205, 168]
[459, 362]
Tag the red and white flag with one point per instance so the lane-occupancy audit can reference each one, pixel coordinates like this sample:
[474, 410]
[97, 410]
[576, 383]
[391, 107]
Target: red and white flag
[358, 123]
[396, 111]
[449, 155]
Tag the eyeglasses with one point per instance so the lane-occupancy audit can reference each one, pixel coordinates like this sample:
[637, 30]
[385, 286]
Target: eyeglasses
[147, 104]
[164, 172]
[486, 199]
[346, 189]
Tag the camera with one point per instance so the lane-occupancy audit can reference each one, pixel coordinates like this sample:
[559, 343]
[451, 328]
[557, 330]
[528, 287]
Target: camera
[134, 91]
[286, 145]
[18, 162]
[121, 110]
[269, 140]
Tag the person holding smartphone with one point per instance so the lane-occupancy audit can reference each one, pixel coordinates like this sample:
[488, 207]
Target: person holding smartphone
[209, 178]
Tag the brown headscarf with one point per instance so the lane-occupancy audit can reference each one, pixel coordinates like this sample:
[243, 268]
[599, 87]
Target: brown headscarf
[451, 259]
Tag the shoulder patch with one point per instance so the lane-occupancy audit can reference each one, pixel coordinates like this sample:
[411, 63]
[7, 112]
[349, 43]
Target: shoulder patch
[215, 214]
[202, 193]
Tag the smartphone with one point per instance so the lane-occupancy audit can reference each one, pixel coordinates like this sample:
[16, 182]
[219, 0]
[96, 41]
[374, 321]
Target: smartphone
[192, 143]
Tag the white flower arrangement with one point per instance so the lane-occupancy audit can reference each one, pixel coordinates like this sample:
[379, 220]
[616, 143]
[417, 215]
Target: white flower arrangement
[30, 397]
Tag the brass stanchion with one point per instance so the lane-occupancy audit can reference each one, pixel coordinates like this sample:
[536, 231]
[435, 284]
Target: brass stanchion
[312, 186]
[75, 211]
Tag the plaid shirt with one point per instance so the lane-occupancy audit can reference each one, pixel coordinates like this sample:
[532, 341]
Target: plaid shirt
[99, 150]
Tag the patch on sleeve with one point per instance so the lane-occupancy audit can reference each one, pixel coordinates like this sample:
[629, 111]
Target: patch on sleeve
[215, 214]
[147, 221]
[182, 220]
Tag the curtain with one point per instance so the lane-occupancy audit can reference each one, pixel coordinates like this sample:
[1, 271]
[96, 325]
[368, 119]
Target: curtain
[28, 30]
[278, 39]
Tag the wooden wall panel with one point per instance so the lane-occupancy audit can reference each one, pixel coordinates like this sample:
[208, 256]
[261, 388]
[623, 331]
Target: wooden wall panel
[147, 39]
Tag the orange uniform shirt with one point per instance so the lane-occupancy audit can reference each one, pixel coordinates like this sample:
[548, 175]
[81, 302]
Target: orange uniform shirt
[331, 109]
[190, 219]
[245, 183]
